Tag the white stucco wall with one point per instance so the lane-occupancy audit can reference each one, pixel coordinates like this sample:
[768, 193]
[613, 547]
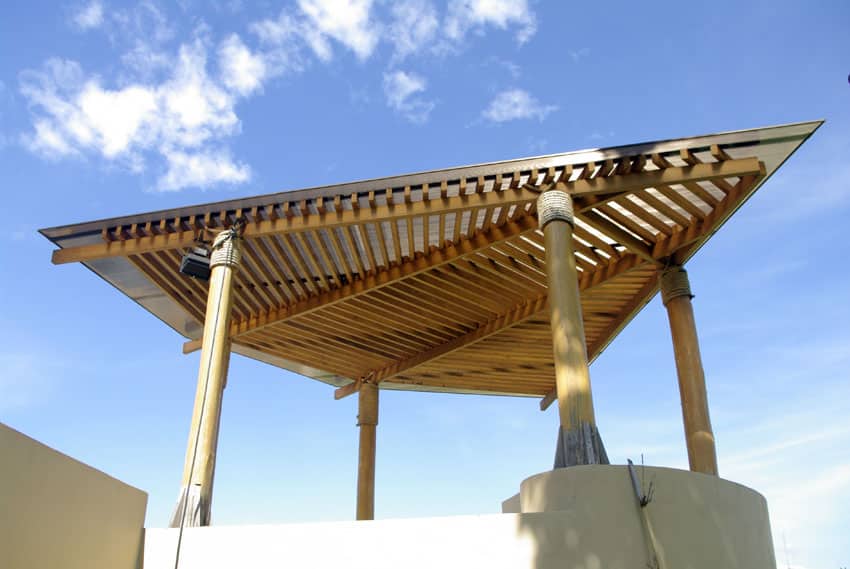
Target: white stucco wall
[58, 513]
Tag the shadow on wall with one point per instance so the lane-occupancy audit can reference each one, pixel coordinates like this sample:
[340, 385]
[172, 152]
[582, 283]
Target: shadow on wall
[588, 517]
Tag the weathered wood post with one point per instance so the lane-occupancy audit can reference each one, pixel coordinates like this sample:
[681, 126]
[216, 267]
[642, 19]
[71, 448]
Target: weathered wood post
[676, 295]
[578, 439]
[194, 504]
[367, 420]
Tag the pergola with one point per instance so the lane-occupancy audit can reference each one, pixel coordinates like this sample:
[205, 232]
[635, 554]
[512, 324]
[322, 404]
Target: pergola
[464, 280]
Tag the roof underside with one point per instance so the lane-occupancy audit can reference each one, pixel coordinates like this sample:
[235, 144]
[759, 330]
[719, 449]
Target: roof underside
[436, 281]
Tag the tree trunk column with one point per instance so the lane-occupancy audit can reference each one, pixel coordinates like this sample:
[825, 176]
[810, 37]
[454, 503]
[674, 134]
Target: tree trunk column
[194, 503]
[367, 420]
[578, 439]
[676, 295]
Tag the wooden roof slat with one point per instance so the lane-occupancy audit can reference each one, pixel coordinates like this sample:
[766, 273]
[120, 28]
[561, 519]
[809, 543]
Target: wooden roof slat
[270, 275]
[301, 271]
[354, 253]
[621, 236]
[273, 266]
[378, 303]
[426, 299]
[411, 329]
[639, 208]
[387, 343]
[466, 275]
[337, 249]
[194, 305]
[457, 343]
[462, 292]
[436, 317]
[297, 283]
[683, 202]
[361, 242]
[619, 214]
[656, 202]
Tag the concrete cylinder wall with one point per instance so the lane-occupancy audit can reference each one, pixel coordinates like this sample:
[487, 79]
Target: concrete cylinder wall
[699, 521]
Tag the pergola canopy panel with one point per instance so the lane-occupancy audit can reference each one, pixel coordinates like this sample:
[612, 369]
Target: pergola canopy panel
[437, 281]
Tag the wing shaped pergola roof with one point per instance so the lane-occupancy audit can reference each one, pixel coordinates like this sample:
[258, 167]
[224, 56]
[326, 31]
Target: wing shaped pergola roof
[436, 281]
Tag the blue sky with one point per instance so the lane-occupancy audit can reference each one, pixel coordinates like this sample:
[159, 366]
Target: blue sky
[109, 109]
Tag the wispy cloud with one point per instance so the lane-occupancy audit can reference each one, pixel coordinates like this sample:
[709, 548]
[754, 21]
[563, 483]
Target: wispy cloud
[413, 27]
[345, 21]
[400, 89]
[241, 70]
[465, 16]
[516, 104]
[88, 16]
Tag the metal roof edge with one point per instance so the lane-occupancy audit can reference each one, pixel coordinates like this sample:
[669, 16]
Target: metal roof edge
[415, 178]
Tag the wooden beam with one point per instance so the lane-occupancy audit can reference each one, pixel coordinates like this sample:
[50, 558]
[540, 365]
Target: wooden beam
[294, 224]
[346, 390]
[192, 346]
[437, 257]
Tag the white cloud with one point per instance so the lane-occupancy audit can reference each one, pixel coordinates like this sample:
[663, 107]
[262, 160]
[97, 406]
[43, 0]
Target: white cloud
[346, 21]
[89, 16]
[516, 104]
[413, 27]
[201, 169]
[175, 119]
[400, 89]
[241, 70]
[466, 15]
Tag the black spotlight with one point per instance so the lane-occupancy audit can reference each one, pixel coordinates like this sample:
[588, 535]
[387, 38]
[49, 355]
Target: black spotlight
[196, 264]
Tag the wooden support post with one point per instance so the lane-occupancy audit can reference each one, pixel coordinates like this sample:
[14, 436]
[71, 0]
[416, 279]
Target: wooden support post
[367, 420]
[194, 504]
[578, 440]
[676, 295]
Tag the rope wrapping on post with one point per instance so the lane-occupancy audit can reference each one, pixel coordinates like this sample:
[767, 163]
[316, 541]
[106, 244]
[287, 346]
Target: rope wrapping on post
[674, 283]
[554, 204]
[225, 249]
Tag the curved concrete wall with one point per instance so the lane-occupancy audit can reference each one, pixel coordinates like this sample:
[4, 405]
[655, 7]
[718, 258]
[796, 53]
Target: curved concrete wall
[699, 521]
